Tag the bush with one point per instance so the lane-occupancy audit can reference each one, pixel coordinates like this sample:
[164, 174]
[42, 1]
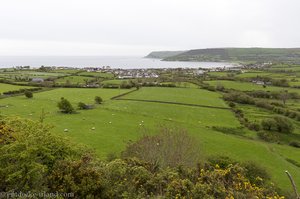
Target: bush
[255, 173]
[82, 106]
[98, 100]
[28, 94]
[269, 124]
[268, 136]
[171, 147]
[232, 104]
[65, 106]
[264, 104]
[279, 124]
[239, 97]
[220, 87]
[222, 161]
[284, 125]
[295, 144]
[253, 126]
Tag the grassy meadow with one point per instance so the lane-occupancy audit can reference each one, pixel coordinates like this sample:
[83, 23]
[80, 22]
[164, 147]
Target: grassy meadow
[10, 87]
[115, 122]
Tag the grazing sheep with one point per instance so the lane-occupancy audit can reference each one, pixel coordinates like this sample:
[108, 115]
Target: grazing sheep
[93, 128]
[66, 130]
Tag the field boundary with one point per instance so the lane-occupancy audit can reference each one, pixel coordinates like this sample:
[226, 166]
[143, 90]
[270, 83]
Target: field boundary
[176, 103]
[20, 94]
[123, 94]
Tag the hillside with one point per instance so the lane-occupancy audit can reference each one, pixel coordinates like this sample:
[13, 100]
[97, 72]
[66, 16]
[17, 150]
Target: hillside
[163, 54]
[239, 55]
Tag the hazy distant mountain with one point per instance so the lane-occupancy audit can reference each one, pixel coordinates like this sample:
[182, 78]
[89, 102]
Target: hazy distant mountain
[163, 54]
[239, 55]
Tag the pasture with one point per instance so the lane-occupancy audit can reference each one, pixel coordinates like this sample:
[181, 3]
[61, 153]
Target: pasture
[80, 80]
[15, 75]
[118, 121]
[179, 95]
[248, 86]
[10, 87]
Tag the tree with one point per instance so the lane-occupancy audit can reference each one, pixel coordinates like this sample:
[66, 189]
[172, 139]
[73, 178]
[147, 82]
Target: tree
[28, 94]
[98, 100]
[29, 152]
[284, 95]
[284, 125]
[65, 106]
[279, 124]
[269, 124]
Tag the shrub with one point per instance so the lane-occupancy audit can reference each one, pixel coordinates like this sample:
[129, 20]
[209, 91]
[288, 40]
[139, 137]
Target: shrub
[82, 106]
[220, 87]
[222, 161]
[28, 94]
[171, 147]
[295, 144]
[284, 125]
[269, 124]
[253, 126]
[232, 104]
[98, 100]
[268, 136]
[255, 172]
[239, 97]
[264, 104]
[31, 161]
[279, 124]
[65, 106]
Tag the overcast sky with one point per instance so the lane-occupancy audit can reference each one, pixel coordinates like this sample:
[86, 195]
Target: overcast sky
[136, 27]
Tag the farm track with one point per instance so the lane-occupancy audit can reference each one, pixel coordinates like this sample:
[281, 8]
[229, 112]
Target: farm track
[176, 103]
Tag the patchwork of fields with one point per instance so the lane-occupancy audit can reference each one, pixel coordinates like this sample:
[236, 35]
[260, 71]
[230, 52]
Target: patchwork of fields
[248, 86]
[115, 122]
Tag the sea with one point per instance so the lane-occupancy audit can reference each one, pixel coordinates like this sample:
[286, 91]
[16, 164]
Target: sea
[124, 62]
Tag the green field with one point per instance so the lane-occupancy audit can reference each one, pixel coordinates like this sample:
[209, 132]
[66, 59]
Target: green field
[29, 75]
[10, 87]
[179, 95]
[81, 80]
[118, 121]
[248, 86]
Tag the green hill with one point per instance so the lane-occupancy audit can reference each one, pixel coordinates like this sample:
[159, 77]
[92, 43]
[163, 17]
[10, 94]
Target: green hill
[239, 55]
[163, 54]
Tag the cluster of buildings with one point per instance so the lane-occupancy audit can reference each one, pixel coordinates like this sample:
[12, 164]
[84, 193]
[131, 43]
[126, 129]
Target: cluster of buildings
[135, 73]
